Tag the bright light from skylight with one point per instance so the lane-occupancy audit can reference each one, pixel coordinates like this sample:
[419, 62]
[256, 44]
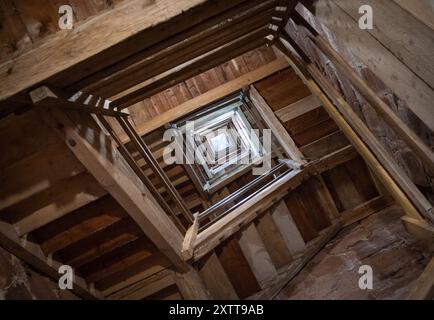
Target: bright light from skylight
[220, 142]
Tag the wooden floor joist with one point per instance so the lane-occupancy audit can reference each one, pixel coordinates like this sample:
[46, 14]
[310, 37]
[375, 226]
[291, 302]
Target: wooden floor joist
[208, 97]
[298, 108]
[358, 143]
[132, 25]
[33, 255]
[98, 154]
[386, 160]
[273, 123]
[163, 51]
[424, 287]
[191, 68]
[198, 44]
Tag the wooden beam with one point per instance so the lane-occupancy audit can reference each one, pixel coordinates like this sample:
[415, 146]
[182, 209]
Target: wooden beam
[274, 124]
[33, 255]
[256, 254]
[289, 231]
[401, 178]
[421, 9]
[399, 32]
[400, 128]
[298, 108]
[325, 145]
[154, 266]
[102, 41]
[421, 229]
[191, 68]
[273, 240]
[358, 143]
[254, 16]
[209, 238]
[364, 210]
[147, 154]
[155, 54]
[48, 97]
[191, 285]
[215, 278]
[145, 287]
[288, 273]
[335, 159]
[79, 191]
[423, 289]
[396, 75]
[190, 239]
[208, 97]
[97, 153]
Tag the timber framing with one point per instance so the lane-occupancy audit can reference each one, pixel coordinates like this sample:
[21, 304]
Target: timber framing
[98, 154]
[132, 22]
[33, 254]
[92, 75]
[194, 67]
[307, 72]
[209, 97]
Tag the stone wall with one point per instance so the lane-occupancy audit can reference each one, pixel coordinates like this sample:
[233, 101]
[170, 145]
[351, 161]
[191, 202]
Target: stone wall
[18, 281]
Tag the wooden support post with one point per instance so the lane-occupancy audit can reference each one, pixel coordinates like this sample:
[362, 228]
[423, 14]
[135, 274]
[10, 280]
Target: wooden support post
[215, 278]
[274, 124]
[424, 286]
[190, 238]
[289, 231]
[191, 285]
[358, 143]
[256, 254]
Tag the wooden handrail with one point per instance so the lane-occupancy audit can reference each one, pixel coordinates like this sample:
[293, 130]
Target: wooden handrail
[300, 67]
[400, 128]
[244, 213]
[152, 162]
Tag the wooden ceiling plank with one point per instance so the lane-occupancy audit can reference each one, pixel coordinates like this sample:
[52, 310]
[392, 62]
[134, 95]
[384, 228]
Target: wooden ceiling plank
[126, 79]
[101, 242]
[170, 50]
[193, 68]
[151, 53]
[208, 97]
[298, 108]
[66, 57]
[32, 254]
